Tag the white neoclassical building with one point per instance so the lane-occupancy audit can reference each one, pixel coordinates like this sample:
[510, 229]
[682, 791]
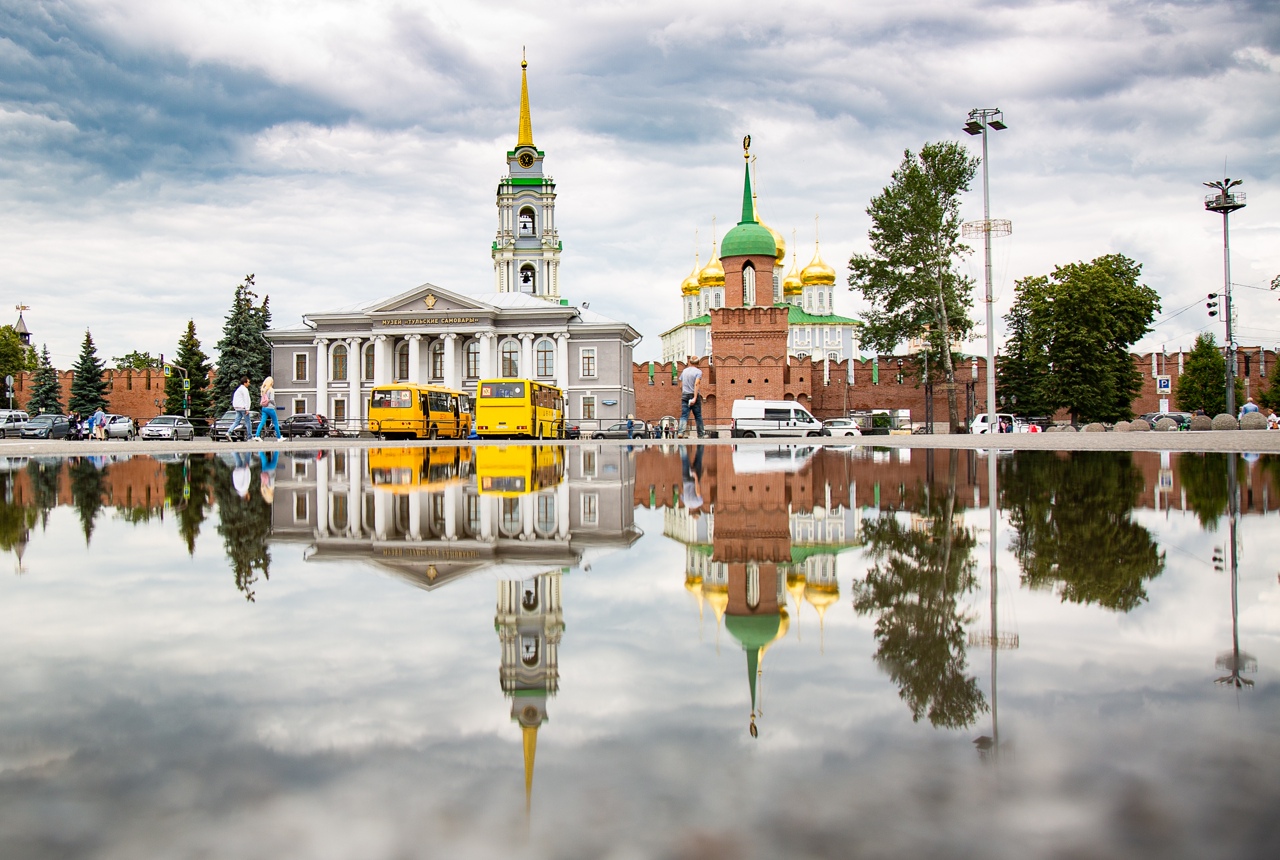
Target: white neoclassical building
[331, 362]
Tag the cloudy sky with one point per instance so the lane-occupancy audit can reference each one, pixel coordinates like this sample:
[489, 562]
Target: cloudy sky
[153, 153]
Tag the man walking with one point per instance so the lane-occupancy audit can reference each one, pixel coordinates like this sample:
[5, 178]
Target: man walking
[691, 399]
[240, 403]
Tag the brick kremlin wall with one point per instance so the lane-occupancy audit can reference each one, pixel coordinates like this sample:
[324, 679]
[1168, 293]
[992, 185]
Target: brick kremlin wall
[129, 392]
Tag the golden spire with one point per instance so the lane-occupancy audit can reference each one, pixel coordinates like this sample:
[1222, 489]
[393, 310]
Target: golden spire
[526, 125]
[530, 750]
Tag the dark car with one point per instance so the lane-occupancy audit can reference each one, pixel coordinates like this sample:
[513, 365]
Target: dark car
[218, 432]
[572, 431]
[639, 430]
[304, 424]
[47, 427]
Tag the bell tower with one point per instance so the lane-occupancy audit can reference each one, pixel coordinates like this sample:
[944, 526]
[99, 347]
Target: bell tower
[526, 250]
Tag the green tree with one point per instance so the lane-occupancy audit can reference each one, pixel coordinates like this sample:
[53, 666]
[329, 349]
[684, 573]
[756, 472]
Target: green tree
[1203, 381]
[187, 488]
[1024, 368]
[909, 278]
[245, 526]
[88, 388]
[1203, 478]
[45, 480]
[135, 360]
[192, 359]
[1077, 325]
[88, 488]
[243, 351]
[46, 388]
[15, 356]
[916, 589]
[1072, 514]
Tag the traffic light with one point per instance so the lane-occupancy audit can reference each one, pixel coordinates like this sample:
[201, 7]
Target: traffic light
[1212, 304]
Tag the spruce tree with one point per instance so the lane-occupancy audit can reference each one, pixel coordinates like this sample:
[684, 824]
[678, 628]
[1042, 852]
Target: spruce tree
[1203, 382]
[46, 389]
[88, 388]
[243, 351]
[192, 359]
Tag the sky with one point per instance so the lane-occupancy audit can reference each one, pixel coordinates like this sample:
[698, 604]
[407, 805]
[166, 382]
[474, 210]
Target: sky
[154, 153]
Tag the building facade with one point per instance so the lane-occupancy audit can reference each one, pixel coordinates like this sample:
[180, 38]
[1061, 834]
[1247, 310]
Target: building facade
[331, 362]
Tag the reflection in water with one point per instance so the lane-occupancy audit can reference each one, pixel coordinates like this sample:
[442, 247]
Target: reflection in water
[188, 490]
[1234, 661]
[1206, 485]
[87, 486]
[244, 522]
[923, 568]
[1072, 515]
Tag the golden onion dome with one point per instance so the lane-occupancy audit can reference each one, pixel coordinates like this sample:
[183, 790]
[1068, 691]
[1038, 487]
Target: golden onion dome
[780, 257]
[821, 596]
[817, 273]
[718, 597]
[689, 286]
[712, 274]
[792, 285]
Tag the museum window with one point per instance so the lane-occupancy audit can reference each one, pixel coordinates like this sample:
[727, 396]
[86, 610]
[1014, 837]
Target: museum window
[510, 358]
[339, 364]
[300, 507]
[340, 409]
[473, 359]
[546, 514]
[402, 362]
[368, 361]
[512, 522]
[299, 405]
[299, 367]
[587, 357]
[588, 407]
[588, 462]
[437, 359]
[590, 509]
[338, 510]
[546, 358]
[473, 516]
[526, 223]
[528, 280]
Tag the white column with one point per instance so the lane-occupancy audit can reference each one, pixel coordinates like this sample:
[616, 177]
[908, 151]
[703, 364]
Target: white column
[526, 357]
[355, 370]
[451, 360]
[452, 494]
[415, 516]
[382, 514]
[355, 510]
[322, 378]
[415, 358]
[486, 518]
[381, 359]
[486, 355]
[528, 509]
[562, 362]
[322, 497]
[563, 517]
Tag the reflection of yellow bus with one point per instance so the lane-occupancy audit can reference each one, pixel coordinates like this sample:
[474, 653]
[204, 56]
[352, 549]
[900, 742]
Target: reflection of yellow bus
[515, 470]
[407, 470]
[409, 411]
[510, 408]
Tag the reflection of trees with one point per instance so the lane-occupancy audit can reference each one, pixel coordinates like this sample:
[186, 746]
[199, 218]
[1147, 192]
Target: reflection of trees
[88, 485]
[1204, 479]
[16, 518]
[186, 489]
[921, 571]
[244, 525]
[1072, 515]
[44, 479]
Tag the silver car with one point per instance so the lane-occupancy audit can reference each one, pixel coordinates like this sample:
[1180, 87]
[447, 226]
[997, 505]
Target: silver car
[173, 427]
[121, 427]
[842, 427]
[12, 422]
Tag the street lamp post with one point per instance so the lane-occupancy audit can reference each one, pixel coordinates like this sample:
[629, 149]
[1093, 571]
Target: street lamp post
[981, 119]
[1227, 201]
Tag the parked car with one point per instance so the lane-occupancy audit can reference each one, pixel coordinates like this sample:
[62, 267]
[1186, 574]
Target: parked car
[572, 431]
[171, 427]
[979, 424]
[753, 418]
[640, 430]
[220, 427]
[842, 427]
[1183, 418]
[121, 427]
[47, 427]
[12, 422]
[304, 424]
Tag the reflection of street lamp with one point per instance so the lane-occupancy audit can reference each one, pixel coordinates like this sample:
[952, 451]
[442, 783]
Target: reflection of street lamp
[1234, 661]
[1227, 201]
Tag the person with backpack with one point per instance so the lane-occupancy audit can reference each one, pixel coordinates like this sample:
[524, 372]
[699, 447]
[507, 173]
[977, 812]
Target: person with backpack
[268, 404]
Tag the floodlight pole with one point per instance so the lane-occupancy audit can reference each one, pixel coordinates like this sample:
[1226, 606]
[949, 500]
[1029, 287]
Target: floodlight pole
[980, 119]
[1227, 201]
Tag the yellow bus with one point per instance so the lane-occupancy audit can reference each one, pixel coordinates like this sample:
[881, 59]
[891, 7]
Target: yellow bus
[519, 408]
[515, 470]
[410, 411]
[409, 470]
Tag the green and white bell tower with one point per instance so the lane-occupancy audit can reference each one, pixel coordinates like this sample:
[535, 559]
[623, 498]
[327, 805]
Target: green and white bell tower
[526, 251]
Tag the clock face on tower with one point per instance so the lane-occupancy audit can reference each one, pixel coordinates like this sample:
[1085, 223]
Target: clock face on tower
[526, 160]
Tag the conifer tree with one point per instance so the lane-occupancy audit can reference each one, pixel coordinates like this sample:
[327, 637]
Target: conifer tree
[46, 390]
[88, 388]
[1203, 382]
[192, 359]
[243, 351]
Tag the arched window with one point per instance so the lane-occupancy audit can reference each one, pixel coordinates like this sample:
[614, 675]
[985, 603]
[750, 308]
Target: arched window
[473, 360]
[716, 299]
[546, 358]
[402, 361]
[511, 522]
[510, 358]
[437, 359]
[748, 285]
[822, 299]
[526, 223]
[528, 280]
[339, 363]
[546, 514]
[368, 361]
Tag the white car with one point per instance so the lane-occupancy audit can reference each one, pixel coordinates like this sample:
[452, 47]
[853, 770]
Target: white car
[979, 424]
[12, 422]
[169, 427]
[842, 427]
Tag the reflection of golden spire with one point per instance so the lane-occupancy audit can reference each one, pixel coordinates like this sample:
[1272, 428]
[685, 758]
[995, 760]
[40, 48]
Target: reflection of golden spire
[795, 587]
[822, 596]
[530, 750]
[526, 125]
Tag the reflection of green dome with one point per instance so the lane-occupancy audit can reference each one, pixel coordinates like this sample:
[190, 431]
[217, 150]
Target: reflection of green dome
[754, 631]
[750, 237]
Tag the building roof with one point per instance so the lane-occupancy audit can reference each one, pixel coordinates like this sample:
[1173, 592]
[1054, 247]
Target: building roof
[795, 316]
[749, 237]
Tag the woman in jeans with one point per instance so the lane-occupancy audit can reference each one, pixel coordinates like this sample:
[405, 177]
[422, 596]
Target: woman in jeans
[268, 403]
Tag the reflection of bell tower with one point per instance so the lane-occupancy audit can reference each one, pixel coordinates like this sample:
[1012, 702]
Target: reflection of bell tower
[529, 622]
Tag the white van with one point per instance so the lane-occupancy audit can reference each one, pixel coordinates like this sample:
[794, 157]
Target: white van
[752, 418]
[979, 424]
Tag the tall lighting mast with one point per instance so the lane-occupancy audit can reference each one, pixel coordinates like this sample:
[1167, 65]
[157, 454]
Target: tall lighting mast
[1227, 201]
[981, 119]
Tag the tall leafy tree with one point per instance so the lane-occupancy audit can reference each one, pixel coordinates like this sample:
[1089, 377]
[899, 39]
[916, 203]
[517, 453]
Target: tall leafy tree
[1203, 382]
[88, 388]
[243, 351]
[1022, 372]
[192, 359]
[135, 360]
[909, 279]
[1077, 325]
[15, 356]
[46, 388]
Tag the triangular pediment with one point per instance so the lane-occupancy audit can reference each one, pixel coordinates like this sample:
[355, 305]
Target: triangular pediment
[428, 298]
